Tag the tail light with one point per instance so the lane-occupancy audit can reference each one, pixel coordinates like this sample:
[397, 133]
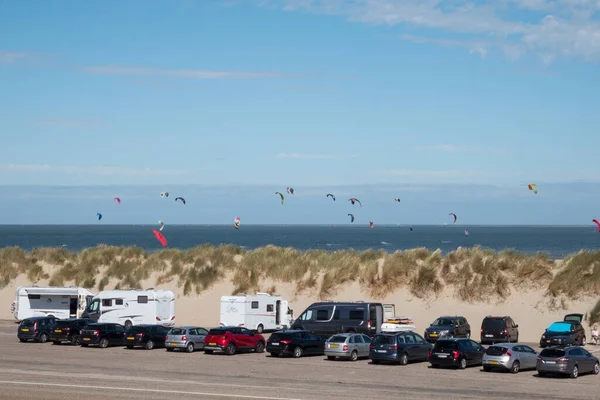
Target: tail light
[34, 325]
[372, 346]
[285, 341]
[455, 354]
[368, 324]
[140, 335]
[506, 352]
[563, 360]
[184, 338]
[539, 358]
[158, 319]
[66, 329]
[481, 331]
[167, 337]
[173, 318]
[345, 348]
[394, 347]
[430, 353]
[96, 333]
[505, 332]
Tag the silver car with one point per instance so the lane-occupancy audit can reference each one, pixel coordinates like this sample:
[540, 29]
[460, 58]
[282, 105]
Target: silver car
[347, 345]
[509, 356]
[189, 338]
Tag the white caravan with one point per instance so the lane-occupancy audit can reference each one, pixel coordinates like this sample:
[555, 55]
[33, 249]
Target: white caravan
[258, 312]
[133, 307]
[60, 302]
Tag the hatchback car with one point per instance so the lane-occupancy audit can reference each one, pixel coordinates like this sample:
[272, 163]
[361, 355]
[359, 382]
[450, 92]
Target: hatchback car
[189, 338]
[513, 357]
[146, 336]
[296, 343]
[498, 330]
[102, 334]
[400, 347]
[36, 329]
[68, 330]
[350, 346]
[445, 327]
[230, 339]
[459, 353]
[567, 332]
[570, 361]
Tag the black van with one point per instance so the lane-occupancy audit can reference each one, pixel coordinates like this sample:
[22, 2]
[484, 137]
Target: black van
[327, 318]
[36, 328]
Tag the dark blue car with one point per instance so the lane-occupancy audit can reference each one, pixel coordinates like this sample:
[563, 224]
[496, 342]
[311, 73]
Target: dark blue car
[399, 347]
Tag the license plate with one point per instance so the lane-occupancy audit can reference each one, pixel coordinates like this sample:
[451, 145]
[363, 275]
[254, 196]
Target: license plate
[547, 341]
[549, 362]
[130, 338]
[493, 362]
[333, 346]
[382, 351]
[434, 335]
[212, 344]
[441, 355]
[489, 335]
[25, 329]
[58, 330]
[87, 339]
[173, 344]
[275, 344]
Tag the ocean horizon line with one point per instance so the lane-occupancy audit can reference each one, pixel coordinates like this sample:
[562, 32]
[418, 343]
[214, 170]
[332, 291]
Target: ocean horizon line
[345, 225]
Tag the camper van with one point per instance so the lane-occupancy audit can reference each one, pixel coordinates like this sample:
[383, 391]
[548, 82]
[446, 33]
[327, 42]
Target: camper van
[59, 302]
[133, 307]
[326, 318]
[258, 312]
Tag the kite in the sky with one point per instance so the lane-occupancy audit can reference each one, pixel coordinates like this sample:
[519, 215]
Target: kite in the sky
[281, 195]
[180, 198]
[159, 236]
[118, 200]
[454, 215]
[330, 195]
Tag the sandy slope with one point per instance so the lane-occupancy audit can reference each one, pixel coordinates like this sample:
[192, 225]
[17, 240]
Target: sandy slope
[527, 309]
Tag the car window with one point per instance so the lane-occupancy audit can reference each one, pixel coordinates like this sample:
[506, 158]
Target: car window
[553, 353]
[366, 338]
[409, 338]
[323, 314]
[337, 339]
[383, 339]
[401, 339]
[518, 349]
[307, 316]
[351, 339]
[312, 336]
[442, 322]
[358, 339]
[418, 338]
[202, 331]
[245, 331]
[528, 349]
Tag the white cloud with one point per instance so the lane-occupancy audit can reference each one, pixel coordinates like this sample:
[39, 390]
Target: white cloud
[460, 149]
[315, 156]
[548, 29]
[10, 57]
[98, 170]
[176, 73]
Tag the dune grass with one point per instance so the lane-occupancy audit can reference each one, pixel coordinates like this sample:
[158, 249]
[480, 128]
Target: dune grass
[593, 317]
[471, 274]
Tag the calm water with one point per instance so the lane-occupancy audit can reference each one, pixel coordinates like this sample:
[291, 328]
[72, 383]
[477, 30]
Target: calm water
[556, 241]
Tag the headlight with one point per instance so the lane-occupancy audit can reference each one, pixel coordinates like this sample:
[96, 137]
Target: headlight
[443, 333]
[543, 336]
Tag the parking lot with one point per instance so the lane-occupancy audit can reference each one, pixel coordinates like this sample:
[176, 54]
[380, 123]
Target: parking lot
[33, 370]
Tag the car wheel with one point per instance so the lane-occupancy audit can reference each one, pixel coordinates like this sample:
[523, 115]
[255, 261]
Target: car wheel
[331, 358]
[517, 339]
[274, 354]
[149, 345]
[487, 369]
[515, 367]
[230, 349]
[297, 352]
[260, 347]
[23, 340]
[403, 359]
[375, 362]
[190, 348]
[597, 368]
[575, 372]
[43, 338]
[169, 349]
[129, 347]
[103, 343]
[435, 366]
[84, 345]
[260, 329]
[208, 351]
[353, 355]
[128, 324]
[75, 340]
[55, 342]
[463, 363]
[541, 374]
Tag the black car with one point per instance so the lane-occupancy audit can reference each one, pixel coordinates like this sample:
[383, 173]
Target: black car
[36, 328]
[567, 332]
[147, 336]
[448, 327]
[296, 343]
[102, 334]
[68, 330]
[499, 329]
[400, 347]
[459, 353]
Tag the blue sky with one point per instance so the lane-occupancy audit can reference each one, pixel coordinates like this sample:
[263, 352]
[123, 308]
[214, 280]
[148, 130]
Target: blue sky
[449, 105]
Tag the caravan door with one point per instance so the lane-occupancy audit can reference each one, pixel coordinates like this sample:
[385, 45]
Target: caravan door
[163, 311]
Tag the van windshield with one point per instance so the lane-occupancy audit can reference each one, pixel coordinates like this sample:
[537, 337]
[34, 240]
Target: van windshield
[494, 324]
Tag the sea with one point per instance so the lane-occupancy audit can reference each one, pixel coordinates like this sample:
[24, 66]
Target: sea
[556, 241]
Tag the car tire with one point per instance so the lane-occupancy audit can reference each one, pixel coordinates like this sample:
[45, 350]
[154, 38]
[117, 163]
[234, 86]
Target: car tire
[230, 349]
[375, 362]
[84, 345]
[515, 368]
[297, 353]
[128, 324]
[597, 369]
[403, 359]
[208, 351]
[353, 355]
[517, 339]
[541, 374]
[129, 347]
[75, 340]
[189, 348]
[56, 342]
[260, 347]
[574, 372]
[169, 349]
[43, 337]
[149, 345]
[260, 329]
[274, 354]
[435, 366]
[487, 369]
[23, 340]
[103, 343]
[462, 363]
[331, 358]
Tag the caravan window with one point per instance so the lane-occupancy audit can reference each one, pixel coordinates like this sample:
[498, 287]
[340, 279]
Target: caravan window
[357, 314]
[95, 305]
[255, 304]
[142, 299]
[33, 296]
[118, 302]
[323, 314]
[106, 302]
[269, 307]
[307, 316]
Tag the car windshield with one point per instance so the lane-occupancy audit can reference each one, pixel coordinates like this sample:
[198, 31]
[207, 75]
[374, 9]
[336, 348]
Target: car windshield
[494, 324]
[177, 331]
[137, 329]
[553, 353]
[442, 322]
[217, 332]
[384, 339]
[63, 323]
[559, 327]
[27, 322]
[445, 345]
[337, 339]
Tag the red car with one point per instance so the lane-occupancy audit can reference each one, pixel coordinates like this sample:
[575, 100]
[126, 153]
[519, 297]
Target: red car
[230, 339]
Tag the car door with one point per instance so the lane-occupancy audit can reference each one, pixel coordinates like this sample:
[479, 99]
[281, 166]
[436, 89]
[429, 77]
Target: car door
[476, 350]
[117, 333]
[587, 359]
[410, 347]
[201, 334]
[192, 336]
[367, 345]
[422, 346]
[528, 357]
[360, 345]
[316, 344]
[244, 337]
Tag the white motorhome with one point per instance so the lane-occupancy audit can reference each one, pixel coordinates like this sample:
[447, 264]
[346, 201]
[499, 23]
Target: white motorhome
[258, 312]
[133, 307]
[60, 302]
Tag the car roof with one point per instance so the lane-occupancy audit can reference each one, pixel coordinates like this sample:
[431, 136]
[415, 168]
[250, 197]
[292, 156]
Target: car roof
[42, 317]
[450, 316]
[285, 331]
[508, 345]
[187, 327]
[496, 317]
[452, 340]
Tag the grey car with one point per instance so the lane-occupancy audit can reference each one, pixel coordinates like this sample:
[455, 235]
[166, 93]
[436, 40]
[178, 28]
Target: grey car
[509, 356]
[347, 345]
[570, 361]
[189, 338]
